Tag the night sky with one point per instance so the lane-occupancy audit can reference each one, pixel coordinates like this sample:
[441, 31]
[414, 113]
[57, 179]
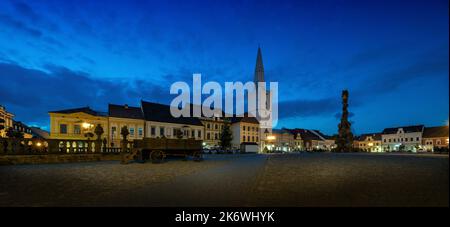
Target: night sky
[391, 55]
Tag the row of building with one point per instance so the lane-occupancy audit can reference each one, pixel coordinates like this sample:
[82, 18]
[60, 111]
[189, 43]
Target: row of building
[415, 138]
[150, 120]
[7, 121]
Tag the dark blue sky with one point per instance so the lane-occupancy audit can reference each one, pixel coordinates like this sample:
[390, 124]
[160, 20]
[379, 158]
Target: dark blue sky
[391, 55]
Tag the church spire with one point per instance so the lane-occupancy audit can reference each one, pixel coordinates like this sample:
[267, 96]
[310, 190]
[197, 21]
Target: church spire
[259, 69]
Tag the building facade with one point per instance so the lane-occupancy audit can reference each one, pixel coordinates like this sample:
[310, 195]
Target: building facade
[435, 138]
[282, 140]
[407, 138]
[6, 120]
[78, 123]
[123, 115]
[245, 130]
[23, 129]
[159, 123]
[370, 142]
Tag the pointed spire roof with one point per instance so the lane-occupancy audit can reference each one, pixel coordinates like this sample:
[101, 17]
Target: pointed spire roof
[259, 68]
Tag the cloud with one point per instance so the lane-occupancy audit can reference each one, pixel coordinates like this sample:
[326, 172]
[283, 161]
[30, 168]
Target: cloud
[19, 26]
[307, 108]
[25, 10]
[31, 93]
[432, 64]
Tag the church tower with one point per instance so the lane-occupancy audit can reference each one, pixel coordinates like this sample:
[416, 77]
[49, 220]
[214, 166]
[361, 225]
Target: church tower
[259, 76]
[265, 124]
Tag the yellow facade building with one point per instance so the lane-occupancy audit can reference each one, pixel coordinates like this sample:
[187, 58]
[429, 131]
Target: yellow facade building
[6, 120]
[245, 130]
[78, 123]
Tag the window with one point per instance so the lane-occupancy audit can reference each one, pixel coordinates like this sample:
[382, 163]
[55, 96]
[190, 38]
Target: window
[131, 132]
[140, 132]
[216, 136]
[248, 138]
[216, 127]
[406, 139]
[385, 140]
[193, 133]
[243, 138]
[417, 139]
[244, 128]
[253, 139]
[76, 129]
[161, 131]
[199, 134]
[152, 131]
[389, 140]
[208, 136]
[63, 128]
[208, 126]
[257, 139]
[438, 142]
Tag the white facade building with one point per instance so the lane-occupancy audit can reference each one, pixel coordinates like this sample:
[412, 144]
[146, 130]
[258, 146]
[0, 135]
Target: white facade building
[408, 138]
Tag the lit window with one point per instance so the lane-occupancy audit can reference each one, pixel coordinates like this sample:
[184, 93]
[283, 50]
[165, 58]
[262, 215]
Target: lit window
[131, 132]
[140, 132]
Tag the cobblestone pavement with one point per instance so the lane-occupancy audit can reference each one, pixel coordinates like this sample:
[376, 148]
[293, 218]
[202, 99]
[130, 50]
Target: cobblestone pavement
[307, 179]
[349, 179]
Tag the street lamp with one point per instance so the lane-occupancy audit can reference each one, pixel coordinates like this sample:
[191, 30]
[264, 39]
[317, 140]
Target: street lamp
[86, 125]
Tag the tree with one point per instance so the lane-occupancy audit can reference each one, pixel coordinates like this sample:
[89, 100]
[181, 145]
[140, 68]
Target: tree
[10, 132]
[98, 131]
[225, 137]
[344, 140]
[124, 132]
[18, 135]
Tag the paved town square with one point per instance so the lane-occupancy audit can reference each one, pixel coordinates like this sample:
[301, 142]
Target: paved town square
[305, 179]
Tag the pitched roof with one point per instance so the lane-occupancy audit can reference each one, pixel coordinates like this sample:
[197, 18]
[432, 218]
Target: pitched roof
[246, 118]
[375, 136]
[125, 111]
[161, 113]
[86, 110]
[201, 110]
[39, 133]
[305, 134]
[433, 132]
[406, 129]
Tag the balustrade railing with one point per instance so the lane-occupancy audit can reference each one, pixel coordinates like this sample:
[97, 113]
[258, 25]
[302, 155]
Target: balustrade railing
[13, 146]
